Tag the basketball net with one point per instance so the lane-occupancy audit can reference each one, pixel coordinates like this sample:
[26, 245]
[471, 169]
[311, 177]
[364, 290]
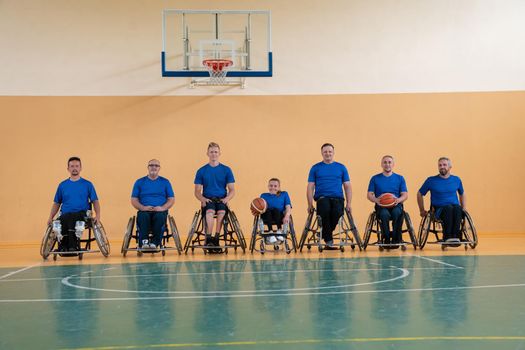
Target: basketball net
[218, 68]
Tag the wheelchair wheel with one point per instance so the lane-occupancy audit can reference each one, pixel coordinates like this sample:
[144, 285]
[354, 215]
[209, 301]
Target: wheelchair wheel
[175, 234]
[191, 233]
[127, 236]
[101, 238]
[424, 230]
[48, 242]
[354, 230]
[368, 229]
[469, 231]
[410, 229]
[240, 235]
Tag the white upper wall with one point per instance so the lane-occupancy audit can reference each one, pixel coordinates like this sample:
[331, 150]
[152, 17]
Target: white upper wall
[100, 47]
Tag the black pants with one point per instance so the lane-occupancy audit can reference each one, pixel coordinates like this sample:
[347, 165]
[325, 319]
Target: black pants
[273, 216]
[385, 215]
[451, 215]
[151, 221]
[68, 221]
[330, 210]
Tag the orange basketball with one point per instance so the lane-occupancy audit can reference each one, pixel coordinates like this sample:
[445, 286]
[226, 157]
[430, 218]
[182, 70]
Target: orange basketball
[387, 200]
[258, 206]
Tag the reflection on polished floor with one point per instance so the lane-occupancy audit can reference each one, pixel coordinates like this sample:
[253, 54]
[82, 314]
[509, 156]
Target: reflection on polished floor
[364, 300]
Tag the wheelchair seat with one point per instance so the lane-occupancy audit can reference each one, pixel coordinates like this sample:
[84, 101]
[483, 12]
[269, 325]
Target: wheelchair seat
[96, 232]
[432, 224]
[230, 237]
[286, 238]
[346, 235]
[373, 225]
[169, 231]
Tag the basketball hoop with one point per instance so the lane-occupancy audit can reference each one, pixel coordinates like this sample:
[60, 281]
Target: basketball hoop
[218, 68]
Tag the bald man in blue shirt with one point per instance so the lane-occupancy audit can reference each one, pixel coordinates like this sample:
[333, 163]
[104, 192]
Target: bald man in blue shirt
[444, 189]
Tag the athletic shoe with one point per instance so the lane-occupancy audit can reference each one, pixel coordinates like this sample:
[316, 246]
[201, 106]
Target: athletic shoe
[330, 246]
[280, 238]
[271, 240]
[453, 242]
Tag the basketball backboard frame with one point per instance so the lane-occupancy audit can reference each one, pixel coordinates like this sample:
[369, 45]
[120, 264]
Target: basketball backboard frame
[216, 42]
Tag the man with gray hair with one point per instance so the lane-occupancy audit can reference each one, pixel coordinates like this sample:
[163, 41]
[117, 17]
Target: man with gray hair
[152, 196]
[444, 189]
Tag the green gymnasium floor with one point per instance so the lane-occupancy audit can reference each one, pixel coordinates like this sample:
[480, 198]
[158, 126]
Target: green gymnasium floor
[409, 302]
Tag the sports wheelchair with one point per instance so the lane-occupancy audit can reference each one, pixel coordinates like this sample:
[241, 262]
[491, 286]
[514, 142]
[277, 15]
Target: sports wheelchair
[373, 225]
[285, 238]
[431, 223]
[169, 231]
[347, 235]
[96, 232]
[231, 235]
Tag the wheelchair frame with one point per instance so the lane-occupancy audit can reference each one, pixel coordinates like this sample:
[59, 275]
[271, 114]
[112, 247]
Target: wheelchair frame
[96, 232]
[290, 239]
[312, 233]
[430, 223]
[170, 230]
[373, 226]
[230, 227]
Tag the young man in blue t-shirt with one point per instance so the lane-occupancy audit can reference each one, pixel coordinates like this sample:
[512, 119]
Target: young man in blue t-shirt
[73, 197]
[326, 182]
[214, 188]
[389, 182]
[152, 196]
[444, 189]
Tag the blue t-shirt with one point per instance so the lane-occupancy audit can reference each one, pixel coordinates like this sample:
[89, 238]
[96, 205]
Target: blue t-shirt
[394, 184]
[75, 196]
[328, 179]
[152, 192]
[214, 180]
[279, 201]
[442, 191]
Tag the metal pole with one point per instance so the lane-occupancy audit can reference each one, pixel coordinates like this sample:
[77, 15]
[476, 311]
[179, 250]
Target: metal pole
[249, 43]
[185, 43]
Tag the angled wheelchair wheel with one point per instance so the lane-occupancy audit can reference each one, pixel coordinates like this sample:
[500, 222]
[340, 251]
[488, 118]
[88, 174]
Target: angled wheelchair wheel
[101, 238]
[292, 235]
[191, 233]
[127, 236]
[306, 230]
[410, 229]
[48, 242]
[368, 229]
[253, 238]
[353, 228]
[424, 230]
[175, 234]
[469, 231]
[238, 231]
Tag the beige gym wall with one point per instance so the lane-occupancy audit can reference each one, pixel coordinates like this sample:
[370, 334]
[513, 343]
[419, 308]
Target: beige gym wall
[261, 137]
[83, 78]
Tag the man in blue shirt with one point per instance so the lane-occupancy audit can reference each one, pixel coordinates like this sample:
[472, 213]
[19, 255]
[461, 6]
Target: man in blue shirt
[73, 197]
[214, 188]
[444, 189]
[389, 182]
[326, 181]
[152, 196]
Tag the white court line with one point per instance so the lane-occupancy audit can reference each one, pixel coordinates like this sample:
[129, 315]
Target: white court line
[218, 273]
[65, 281]
[436, 261]
[264, 295]
[17, 271]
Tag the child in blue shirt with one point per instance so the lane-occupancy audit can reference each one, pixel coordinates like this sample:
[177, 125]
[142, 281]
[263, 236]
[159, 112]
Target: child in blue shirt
[279, 208]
